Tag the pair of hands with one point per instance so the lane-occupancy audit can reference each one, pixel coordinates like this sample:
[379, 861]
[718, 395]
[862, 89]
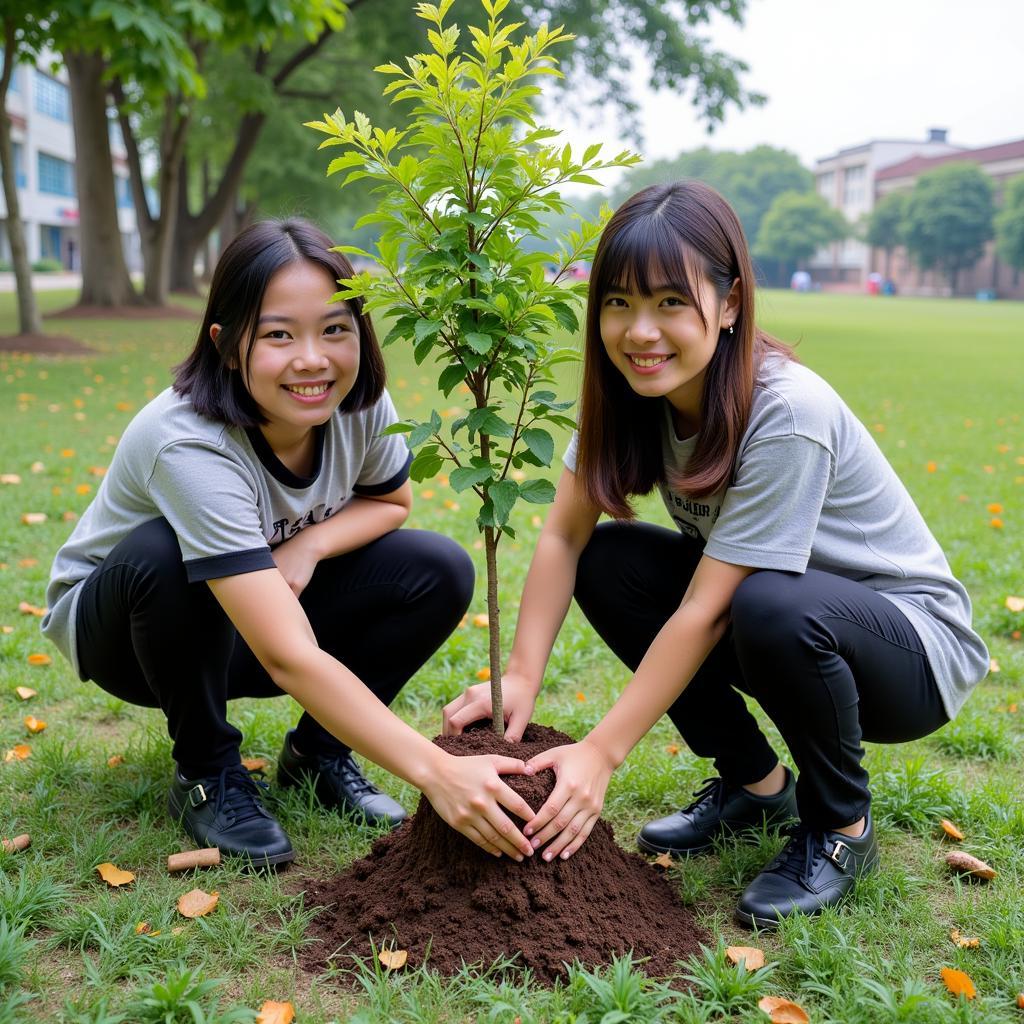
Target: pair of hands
[582, 772]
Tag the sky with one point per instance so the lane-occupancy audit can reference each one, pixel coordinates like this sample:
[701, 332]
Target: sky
[838, 73]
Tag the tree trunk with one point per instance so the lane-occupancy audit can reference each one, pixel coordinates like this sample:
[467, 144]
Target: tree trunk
[494, 629]
[105, 280]
[29, 321]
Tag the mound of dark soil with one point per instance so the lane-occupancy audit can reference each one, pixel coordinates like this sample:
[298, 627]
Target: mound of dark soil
[427, 889]
[44, 344]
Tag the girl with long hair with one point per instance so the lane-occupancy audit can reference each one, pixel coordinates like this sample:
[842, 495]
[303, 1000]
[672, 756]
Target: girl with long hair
[245, 542]
[800, 572]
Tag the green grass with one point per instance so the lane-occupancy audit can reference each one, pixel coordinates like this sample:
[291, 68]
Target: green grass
[937, 382]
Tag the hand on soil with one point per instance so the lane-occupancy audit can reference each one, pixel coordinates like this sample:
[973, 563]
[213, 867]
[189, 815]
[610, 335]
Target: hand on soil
[568, 815]
[469, 794]
[518, 697]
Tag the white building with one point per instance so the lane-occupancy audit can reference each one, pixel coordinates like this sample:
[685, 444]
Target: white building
[39, 106]
[847, 180]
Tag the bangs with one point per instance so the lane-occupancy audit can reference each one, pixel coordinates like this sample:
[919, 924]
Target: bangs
[648, 254]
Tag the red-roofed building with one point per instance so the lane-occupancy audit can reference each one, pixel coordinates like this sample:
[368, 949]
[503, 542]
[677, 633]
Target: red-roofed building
[848, 264]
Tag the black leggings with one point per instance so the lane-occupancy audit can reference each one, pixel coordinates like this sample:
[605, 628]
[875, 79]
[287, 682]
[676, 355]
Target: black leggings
[831, 662]
[147, 635]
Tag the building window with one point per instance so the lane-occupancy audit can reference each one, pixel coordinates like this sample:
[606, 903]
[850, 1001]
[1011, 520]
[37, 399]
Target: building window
[827, 185]
[854, 185]
[56, 176]
[49, 242]
[51, 97]
[123, 191]
[19, 165]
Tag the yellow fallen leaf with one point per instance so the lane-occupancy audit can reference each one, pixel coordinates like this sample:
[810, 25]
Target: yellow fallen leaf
[481, 620]
[393, 959]
[673, 749]
[427, 494]
[114, 760]
[34, 724]
[18, 753]
[197, 903]
[965, 863]
[275, 1013]
[958, 983]
[581, 696]
[83, 488]
[951, 830]
[31, 609]
[27, 563]
[1015, 604]
[663, 860]
[37, 467]
[962, 941]
[143, 928]
[10, 478]
[25, 692]
[33, 518]
[39, 659]
[67, 453]
[255, 764]
[782, 1011]
[751, 955]
[113, 875]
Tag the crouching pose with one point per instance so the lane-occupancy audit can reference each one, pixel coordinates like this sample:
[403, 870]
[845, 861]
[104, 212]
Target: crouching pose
[800, 572]
[245, 543]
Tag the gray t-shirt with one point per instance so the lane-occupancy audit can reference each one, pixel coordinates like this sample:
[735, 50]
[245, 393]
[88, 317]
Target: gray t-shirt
[811, 489]
[226, 495]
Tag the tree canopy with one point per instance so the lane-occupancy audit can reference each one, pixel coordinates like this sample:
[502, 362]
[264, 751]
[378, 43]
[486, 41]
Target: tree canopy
[1009, 224]
[796, 226]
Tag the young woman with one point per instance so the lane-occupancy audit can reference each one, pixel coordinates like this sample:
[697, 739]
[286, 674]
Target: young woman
[245, 543]
[800, 573]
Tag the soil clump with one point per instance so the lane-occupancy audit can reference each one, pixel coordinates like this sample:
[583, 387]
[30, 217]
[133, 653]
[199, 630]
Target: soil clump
[44, 344]
[427, 889]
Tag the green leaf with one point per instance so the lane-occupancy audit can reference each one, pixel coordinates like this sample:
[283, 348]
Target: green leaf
[539, 492]
[480, 343]
[464, 477]
[397, 428]
[427, 329]
[503, 497]
[426, 464]
[419, 434]
[540, 443]
[451, 377]
[477, 219]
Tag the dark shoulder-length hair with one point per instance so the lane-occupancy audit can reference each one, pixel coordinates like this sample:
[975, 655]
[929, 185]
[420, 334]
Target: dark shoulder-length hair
[213, 375]
[672, 232]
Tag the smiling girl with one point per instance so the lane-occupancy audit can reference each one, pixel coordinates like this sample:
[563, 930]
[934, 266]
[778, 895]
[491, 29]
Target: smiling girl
[245, 543]
[801, 573]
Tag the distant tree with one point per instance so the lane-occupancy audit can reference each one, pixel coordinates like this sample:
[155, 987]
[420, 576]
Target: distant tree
[949, 218]
[1010, 224]
[795, 227]
[885, 225]
[751, 181]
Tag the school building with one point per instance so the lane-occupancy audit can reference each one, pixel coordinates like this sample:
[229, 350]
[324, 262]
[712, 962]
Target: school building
[39, 107]
[854, 179]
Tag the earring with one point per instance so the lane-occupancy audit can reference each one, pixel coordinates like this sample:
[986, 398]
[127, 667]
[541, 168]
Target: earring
[731, 329]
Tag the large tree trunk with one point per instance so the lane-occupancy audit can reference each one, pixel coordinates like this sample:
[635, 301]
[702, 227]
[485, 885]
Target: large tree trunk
[105, 280]
[29, 321]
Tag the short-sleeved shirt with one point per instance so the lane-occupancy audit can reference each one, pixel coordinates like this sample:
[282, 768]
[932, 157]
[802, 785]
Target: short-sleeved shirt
[812, 489]
[224, 492]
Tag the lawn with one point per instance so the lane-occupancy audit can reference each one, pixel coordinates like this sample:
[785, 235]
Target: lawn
[940, 385]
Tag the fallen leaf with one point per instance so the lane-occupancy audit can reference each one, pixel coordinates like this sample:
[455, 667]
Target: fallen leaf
[9, 629]
[782, 1011]
[34, 724]
[10, 478]
[481, 620]
[18, 753]
[995, 508]
[452, 506]
[143, 928]
[275, 1013]
[996, 523]
[663, 860]
[931, 467]
[672, 749]
[1012, 709]
[1020, 1000]
[25, 692]
[483, 673]
[113, 875]
[69, 516]
[33, 518]
[993, 666]
[427, 494]
[197, 903]
[581, 696]
[37, 467]
[965, 863]
[124, 406]
[958, 983]
[114, 760]
[18, 843]
[255, 764]
[97, 470]
[31, 609]
[83, 488]
[39, 659]
[27, 563]
[67, 453]
[751, 955]
[951, 830]
[392, 959]
[1015, 604]
[962, 941]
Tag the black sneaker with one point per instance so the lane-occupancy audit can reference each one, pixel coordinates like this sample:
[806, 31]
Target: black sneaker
[717, 808]
[225, 811]
[338, 784]
[815, 870]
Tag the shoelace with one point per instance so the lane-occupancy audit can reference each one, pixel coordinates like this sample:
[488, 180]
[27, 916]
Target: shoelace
[713, 789]
[351, 776]
[238, 793]
[802, 849]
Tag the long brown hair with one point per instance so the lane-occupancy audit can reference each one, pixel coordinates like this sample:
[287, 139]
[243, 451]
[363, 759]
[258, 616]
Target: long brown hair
[670, 232]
